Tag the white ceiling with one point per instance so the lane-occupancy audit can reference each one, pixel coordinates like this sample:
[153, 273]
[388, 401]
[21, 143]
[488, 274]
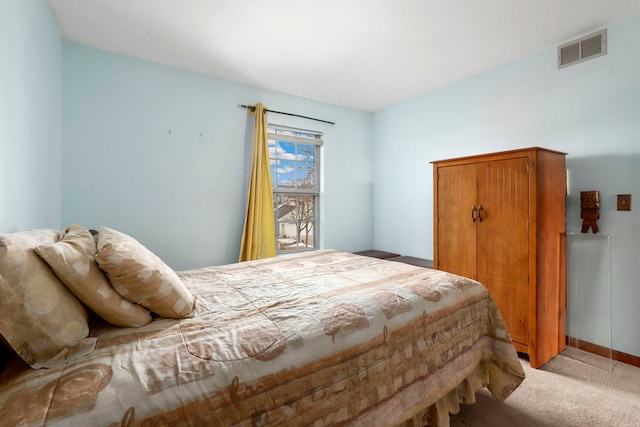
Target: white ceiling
[364, 54]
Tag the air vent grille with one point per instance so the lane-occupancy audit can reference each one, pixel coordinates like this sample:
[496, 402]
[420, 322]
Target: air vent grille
[588, 47]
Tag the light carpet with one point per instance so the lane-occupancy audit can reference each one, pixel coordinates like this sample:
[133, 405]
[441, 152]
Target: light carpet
[573, 389]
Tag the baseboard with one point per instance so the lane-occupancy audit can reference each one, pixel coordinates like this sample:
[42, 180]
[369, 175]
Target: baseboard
[603, 351]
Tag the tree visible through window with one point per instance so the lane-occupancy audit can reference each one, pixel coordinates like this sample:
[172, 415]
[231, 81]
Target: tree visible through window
[295, 163]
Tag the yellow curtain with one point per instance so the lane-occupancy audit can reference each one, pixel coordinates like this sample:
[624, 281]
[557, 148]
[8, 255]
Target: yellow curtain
[259, 235]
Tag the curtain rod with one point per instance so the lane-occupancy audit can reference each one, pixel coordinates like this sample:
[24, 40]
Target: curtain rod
[290, 114]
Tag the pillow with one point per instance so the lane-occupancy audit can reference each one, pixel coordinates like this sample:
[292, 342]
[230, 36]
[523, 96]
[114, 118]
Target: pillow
[141, 277]
[72, 259]
[39, 318]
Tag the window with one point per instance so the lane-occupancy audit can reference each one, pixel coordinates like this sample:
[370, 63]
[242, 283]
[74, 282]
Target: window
[295, 164]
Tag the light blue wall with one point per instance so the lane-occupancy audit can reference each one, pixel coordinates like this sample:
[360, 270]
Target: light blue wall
[30, 116]
[158, 153]
[590, 110]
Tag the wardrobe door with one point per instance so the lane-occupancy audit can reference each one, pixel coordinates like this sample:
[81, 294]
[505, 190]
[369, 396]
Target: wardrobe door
[456, 219]
[503, 240]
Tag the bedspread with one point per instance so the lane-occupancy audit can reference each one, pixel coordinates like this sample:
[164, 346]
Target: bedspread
[312, 339]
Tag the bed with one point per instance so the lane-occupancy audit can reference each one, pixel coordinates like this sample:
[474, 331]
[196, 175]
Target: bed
[321, 338]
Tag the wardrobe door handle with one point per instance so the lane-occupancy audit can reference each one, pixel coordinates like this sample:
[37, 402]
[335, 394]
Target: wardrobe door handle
[473, 211]
[479, 213]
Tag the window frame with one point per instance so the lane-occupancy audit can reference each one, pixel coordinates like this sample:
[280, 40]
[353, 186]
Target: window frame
[286, 134]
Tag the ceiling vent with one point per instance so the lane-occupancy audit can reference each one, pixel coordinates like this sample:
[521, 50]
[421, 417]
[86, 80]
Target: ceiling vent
[587, 47]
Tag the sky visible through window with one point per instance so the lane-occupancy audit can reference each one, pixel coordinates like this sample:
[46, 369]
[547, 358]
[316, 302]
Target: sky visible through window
[292, 164]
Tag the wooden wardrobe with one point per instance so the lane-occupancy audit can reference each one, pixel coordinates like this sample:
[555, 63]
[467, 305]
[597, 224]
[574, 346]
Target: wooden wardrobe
[500, 219]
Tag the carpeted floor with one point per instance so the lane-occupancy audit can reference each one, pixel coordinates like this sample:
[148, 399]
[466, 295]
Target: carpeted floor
[574, 389]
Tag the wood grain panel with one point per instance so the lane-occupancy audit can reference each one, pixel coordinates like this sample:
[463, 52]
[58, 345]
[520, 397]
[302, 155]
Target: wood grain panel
[503, 241]
[550, 304]
[455, 228]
